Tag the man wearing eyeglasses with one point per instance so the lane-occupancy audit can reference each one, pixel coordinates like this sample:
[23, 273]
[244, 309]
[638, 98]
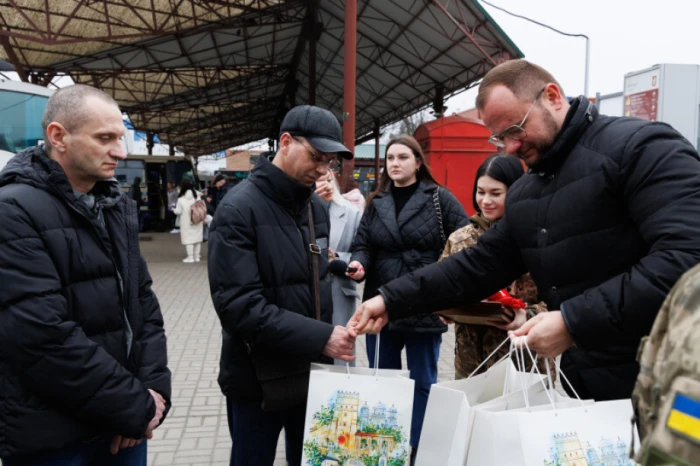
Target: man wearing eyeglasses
[606, 220]
[276, 316]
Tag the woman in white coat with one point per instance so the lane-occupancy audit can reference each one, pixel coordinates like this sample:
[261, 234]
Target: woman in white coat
[190, 235]
[345, 218]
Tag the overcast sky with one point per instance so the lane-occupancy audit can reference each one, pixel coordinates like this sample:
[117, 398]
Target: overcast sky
[625, 35]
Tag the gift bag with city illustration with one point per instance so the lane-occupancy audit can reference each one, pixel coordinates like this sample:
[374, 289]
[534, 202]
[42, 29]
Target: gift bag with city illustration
[357, 417]
[553, 431]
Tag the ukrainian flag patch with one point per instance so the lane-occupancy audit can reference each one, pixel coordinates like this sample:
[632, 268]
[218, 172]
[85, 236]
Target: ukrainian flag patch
[684, 417]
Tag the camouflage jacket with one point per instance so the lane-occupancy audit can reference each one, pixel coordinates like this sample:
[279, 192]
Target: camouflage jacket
[666, 396]
[473, 343]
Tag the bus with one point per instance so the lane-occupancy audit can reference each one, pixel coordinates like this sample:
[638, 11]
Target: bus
[154, 171]
[21, 108]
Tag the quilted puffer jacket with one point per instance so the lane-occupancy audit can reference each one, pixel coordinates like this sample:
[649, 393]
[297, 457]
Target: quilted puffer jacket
[81, 332]
[605, 223]
[389, 246]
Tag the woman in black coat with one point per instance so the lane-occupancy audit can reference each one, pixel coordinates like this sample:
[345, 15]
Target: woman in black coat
[404, 228]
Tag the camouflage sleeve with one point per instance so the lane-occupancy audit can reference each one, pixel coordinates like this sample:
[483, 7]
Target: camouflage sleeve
[465, 237]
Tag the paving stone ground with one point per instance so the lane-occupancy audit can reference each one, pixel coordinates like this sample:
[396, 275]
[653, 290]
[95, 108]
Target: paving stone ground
[196, 432]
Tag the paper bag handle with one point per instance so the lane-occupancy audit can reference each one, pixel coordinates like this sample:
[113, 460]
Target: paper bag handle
[376, 360]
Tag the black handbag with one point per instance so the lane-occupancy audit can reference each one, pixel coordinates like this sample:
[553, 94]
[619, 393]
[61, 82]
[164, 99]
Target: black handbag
[284, 380]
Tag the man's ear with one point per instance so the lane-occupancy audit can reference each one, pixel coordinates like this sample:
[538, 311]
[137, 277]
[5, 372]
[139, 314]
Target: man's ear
[553, 96]
[56, 134]
[286, 141]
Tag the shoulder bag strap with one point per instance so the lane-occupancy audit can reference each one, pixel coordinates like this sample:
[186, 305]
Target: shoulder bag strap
[315, 251]
[438, 212]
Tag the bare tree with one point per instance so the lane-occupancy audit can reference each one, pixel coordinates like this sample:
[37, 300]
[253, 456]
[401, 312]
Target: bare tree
[409, 124]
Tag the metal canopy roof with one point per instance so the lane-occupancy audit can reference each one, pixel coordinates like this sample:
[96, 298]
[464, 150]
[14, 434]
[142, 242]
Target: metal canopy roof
[206, 75]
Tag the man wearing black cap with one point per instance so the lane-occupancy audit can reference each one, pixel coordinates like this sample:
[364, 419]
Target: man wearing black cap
[268, 274]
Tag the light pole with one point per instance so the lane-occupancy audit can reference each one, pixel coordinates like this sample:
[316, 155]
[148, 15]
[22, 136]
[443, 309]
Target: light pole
[588, 40]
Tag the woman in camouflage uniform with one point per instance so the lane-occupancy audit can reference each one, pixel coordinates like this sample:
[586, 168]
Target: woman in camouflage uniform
[473, 343]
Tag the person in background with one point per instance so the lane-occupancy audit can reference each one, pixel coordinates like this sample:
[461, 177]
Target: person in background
[135, 191]
[404, 228]
[345, 219]
[172, 202]
[474, 343]
[137, 196]
[355, 197]
[191, 235]
[222, 185]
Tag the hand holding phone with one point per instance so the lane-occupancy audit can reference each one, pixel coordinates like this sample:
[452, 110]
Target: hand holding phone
[355, 271]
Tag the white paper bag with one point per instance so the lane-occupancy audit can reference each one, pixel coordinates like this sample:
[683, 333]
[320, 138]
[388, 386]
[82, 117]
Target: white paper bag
[446, 428]
[362, 417]
[595, 433]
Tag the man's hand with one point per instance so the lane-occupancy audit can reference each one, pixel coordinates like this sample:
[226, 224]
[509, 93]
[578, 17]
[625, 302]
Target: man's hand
[158, 417]
[120, 443]
[340, 345]
[546, 334]
[359, 274]
[370, 317]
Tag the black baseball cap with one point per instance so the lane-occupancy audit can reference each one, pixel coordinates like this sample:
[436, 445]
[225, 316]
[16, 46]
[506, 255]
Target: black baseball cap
[318, 126]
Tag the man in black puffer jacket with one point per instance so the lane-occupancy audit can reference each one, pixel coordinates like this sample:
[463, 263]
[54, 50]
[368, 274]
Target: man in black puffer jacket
[261, 275]
[606, 221]
[83, 363]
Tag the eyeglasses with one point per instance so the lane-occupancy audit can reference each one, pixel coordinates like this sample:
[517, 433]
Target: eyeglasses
[514, 132]
[321, 159]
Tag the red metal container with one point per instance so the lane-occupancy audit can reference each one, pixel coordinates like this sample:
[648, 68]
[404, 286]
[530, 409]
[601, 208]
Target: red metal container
[454, 147]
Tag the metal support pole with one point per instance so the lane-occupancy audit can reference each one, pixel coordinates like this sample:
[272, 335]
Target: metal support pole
[377, 153]
[350, 70]
[150, 142]
[312, 70]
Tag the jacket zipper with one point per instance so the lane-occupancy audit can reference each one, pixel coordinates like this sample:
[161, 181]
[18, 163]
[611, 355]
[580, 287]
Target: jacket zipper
[106, 250]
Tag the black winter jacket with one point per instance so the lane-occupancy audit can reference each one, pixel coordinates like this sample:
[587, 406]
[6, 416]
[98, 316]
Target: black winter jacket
[261, 276]
[65, 375]
[389, 247]
[606, 224]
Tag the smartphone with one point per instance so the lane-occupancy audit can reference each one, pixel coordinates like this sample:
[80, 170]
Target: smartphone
[351, 269]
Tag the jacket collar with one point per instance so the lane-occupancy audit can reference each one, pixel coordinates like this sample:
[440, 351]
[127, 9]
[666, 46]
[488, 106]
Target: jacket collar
[578, 119]
[34, 167]
[279, 186]
[384, 203]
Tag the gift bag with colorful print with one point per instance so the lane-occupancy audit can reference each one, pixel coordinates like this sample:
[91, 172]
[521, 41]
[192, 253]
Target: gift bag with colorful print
[357, 417]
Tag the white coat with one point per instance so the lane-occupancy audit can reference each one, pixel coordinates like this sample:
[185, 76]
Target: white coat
[189, 234]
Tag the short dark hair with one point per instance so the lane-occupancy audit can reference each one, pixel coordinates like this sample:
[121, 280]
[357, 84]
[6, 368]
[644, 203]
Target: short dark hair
[524, 79]
[501, 167]
[67, 106]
